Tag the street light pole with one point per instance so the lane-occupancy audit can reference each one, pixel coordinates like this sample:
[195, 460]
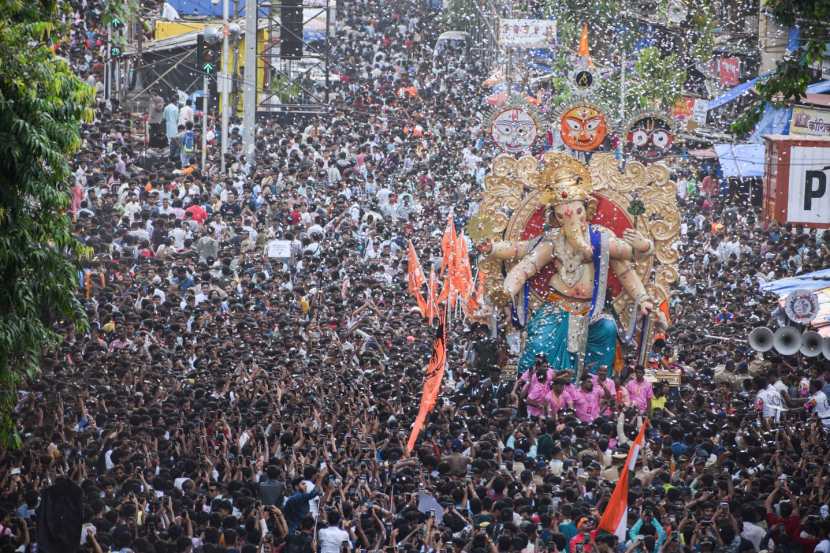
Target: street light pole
[224, 81]
[250, 84]
[204, 121]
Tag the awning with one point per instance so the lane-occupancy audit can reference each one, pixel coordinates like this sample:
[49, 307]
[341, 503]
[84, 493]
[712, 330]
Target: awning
[819, 88]
[809, 281]
[741, 160]
[735, 92]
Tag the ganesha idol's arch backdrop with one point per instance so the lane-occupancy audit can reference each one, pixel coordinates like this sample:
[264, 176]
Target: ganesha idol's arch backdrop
[642, 197]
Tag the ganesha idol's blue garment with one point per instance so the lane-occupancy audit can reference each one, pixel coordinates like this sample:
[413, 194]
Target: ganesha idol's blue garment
[547, 329]
[547, 333]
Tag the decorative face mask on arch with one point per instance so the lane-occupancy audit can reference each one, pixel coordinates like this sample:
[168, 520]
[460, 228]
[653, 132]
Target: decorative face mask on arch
[649, 138]
[514, 130]
[583, 128]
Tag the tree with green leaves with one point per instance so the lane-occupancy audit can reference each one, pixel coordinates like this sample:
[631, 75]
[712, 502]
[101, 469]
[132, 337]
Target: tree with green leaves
[654, 78]
[795, 72]
[42, 105]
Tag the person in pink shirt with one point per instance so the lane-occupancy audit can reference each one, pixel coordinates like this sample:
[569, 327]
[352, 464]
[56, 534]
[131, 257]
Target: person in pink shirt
[639, 390]
[607, 391]
[536, 386]
[622, 399]
[559, 398]
[586, 401]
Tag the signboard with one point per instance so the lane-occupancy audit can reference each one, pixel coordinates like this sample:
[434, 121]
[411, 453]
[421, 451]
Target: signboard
[683, 108]
[729, 71]
[808, 198]
[700, 110]
[279, 249]
[527, 33]
[810, 121]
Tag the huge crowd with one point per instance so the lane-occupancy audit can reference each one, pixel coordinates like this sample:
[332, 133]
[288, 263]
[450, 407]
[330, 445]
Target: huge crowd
[233, 396]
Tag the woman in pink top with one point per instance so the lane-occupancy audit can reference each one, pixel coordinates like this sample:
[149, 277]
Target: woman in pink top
[639, 389]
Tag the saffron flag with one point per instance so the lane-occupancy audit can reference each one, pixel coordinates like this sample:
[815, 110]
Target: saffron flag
[476, 298]
[432, 386]
[448, 245]
[664, 307]
[584, 52]
[415, 278]
[432, 299]
[461, 273]
[615, 518]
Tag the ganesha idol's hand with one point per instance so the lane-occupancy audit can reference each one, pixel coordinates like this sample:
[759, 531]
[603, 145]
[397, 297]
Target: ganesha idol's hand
[485, 247]
[637, 241]
[500, 296]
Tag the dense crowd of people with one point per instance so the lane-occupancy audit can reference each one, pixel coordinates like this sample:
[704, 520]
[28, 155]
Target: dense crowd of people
[236, 395]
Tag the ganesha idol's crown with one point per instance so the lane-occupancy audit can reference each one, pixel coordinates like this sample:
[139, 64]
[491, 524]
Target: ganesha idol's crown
[564, 179]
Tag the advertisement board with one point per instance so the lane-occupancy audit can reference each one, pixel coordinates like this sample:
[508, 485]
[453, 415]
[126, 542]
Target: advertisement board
[808, 194]
[797, 180]
[810, 121]
[527, 33]
[729, 71]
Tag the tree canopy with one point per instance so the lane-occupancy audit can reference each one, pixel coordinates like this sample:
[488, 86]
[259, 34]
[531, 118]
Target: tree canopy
[42, 106]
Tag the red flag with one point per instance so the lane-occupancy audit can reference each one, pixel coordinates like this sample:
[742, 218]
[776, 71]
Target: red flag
[615, 518]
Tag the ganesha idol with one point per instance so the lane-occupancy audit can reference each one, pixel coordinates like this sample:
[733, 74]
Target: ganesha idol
[570, 324]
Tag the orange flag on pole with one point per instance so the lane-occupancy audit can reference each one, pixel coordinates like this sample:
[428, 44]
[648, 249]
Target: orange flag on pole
[584, 52]
[473, 303]
[432, 386]
[415, 278]
[432, 292]
[462, 274]
[448, 245]
[615, 518]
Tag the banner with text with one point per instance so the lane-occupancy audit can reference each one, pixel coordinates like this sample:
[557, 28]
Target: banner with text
[810, 121]
[527, 33]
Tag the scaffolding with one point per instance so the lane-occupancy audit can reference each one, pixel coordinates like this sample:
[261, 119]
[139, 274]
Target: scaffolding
[296, 86]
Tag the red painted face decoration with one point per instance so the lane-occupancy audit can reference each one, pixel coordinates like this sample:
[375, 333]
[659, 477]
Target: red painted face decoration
[649, 138]
[583, 128]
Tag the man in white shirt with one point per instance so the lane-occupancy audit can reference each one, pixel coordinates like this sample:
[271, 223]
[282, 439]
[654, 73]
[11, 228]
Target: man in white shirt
[332, 537]
[186, 113]
[818, 403]
[769, 401]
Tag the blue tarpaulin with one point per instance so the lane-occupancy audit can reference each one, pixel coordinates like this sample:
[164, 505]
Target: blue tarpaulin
[741, 160]
[810, 281]
[206, 8]
[734, 92]
[774, 121]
